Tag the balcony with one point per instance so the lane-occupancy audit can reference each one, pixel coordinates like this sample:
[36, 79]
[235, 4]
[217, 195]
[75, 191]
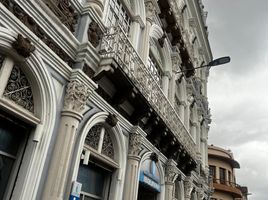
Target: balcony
[227, 187]
[117, 48]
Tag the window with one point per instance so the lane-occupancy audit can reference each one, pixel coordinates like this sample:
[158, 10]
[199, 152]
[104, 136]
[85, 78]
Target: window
[95, 174]
[95, 181]
[12, 144]
[212, 172]
[118, 14]
[222, 176]
[229, 177]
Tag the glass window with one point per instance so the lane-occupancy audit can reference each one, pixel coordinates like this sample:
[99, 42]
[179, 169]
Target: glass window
[222, 176]
[93, 179]
[11, 142]
[117, 14]
[212, 172]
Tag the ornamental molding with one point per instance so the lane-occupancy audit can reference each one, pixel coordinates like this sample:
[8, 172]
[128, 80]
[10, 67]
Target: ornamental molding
[76, 96]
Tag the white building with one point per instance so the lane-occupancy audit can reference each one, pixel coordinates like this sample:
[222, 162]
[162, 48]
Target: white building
[90, 93]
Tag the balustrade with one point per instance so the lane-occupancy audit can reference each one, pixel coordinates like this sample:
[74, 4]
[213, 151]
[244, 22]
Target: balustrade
[116, 45]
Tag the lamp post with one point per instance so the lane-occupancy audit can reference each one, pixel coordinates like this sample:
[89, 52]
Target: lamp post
[215, 62]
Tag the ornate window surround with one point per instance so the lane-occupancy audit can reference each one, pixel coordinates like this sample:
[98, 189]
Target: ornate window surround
[43, 120]
[14, 68]
[120, 159]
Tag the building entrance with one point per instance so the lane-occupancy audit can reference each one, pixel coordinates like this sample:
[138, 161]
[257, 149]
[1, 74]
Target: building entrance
[13, 137]
[145, 193]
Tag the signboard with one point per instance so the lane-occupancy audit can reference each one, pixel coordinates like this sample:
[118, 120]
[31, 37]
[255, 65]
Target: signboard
[148, 181]
[76, 190]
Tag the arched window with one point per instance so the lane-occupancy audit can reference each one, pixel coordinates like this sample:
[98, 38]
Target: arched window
[98, 163]
[15, 86]
[15, 91]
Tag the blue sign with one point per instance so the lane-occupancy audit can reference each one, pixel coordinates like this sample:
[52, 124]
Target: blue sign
[74, 198]
[148, 181]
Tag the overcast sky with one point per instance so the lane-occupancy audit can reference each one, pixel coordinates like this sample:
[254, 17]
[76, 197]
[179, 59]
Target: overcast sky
[238, 92]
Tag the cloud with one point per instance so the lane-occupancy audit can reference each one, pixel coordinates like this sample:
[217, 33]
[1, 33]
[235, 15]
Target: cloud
[238, 92]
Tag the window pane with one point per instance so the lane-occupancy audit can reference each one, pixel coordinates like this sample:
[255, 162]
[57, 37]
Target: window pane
[92, 179]
[222, 175]
[6, 165]
[10, 138]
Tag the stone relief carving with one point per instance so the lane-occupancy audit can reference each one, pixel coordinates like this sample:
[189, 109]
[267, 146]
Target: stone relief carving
[94, 34]
[150, 9]
[135, 143]
[23, 46]
[170, 172]
[76, 96]
[64, 11]
[188, 187]
[37, 30]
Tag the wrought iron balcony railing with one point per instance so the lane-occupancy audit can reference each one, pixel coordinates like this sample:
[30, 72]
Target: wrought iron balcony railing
[116, 45]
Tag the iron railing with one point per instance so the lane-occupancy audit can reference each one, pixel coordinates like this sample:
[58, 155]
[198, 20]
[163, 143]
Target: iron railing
[116, 45]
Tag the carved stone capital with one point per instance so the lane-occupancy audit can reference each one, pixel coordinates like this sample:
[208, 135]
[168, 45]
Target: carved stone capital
[171, 172]
[23, 46]
[135, 143]
[188, 187]
[76, 96]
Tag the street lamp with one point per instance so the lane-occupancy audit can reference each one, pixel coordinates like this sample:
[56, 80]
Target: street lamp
[215, 62]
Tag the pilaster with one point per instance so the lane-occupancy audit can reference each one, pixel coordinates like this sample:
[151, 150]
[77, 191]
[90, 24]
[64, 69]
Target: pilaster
[188, 187]
[133, 162]
[77, 93]
[171, 174]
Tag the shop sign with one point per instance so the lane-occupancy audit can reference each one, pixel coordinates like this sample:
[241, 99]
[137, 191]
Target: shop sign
[148, 181]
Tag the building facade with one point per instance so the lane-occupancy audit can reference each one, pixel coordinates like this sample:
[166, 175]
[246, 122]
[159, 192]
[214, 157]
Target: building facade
[93, 103]
[222, 167]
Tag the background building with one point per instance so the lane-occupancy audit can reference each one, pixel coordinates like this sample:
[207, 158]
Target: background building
[91, 94]
[222, 171]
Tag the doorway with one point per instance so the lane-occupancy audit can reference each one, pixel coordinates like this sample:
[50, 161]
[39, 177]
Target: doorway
[146, 193]
[13, 137]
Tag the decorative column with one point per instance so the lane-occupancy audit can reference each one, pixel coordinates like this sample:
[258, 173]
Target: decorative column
[171, 174]
[188, 187]
[76, 96]
[132, 173]
[145, 47]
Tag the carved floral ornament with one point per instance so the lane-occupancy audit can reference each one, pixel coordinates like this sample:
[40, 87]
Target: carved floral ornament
[76, 96]
[170, 173]
[135, 143]
[94, 34]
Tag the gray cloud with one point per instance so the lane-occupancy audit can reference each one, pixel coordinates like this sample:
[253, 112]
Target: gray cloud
[238, 91]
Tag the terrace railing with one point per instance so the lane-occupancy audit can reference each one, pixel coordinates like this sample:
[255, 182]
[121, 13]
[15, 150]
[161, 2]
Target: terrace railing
[116, 45]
